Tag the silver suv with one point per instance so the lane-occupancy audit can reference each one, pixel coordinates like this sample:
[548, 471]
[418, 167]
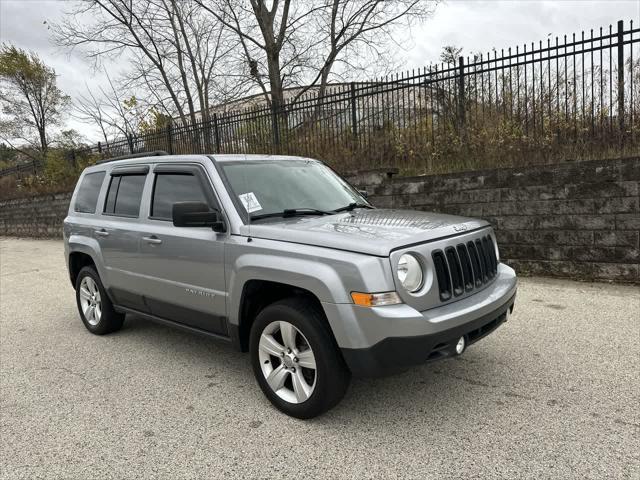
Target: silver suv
[281, 257]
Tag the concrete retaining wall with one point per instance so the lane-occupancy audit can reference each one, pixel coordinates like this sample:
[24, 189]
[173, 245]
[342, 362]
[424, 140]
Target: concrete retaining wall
[575, 220]
[38, 217]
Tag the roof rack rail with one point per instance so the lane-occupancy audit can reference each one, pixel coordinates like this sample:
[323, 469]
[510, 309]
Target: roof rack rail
[155, 153]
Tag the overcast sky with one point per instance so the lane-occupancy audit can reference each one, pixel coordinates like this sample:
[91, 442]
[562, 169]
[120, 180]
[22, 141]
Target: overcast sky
[474, 25]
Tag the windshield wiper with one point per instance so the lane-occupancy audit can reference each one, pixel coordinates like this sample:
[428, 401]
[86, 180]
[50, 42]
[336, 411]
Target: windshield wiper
[292, 212]
[352, 206]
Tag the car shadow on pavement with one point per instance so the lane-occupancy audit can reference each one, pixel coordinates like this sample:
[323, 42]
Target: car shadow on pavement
[433, 390]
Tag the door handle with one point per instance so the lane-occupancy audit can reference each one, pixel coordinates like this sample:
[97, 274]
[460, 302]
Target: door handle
[152, 239]
[101, 233]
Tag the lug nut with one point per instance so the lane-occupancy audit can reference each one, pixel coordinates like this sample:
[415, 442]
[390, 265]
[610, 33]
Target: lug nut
[288, 350]
[295, 359]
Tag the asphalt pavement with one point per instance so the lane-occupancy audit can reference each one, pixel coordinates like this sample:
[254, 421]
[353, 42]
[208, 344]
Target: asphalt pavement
[554, 393]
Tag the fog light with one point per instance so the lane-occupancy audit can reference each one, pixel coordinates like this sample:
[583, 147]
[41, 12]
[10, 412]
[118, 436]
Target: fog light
[460, 346]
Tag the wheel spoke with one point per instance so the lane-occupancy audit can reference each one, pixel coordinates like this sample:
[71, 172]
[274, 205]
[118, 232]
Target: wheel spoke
[91, 285]
[270, 345]
[87, 311]
[92, 314]
[306, 359]
[84, 293]
[277, 378]
[300, 386]
[97, 311]
[288, 332]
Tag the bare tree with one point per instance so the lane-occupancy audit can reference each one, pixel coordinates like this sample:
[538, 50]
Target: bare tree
[175, 50]
[112, 112]
[31, 100]
[300, 43]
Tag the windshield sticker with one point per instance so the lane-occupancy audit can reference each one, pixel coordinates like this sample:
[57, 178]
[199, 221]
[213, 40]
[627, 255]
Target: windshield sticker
[250, 202]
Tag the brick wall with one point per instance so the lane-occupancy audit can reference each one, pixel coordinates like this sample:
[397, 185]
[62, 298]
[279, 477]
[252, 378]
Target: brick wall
[575, 220]
[39, 217]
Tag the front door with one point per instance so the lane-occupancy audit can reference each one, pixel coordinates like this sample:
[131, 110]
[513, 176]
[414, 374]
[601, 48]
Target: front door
[182, 268]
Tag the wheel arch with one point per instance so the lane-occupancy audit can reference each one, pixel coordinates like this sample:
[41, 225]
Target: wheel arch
[277, 275]
[82, 253]
[258, 294]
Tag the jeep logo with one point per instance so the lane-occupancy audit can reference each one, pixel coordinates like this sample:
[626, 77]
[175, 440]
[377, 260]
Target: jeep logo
[460, 228]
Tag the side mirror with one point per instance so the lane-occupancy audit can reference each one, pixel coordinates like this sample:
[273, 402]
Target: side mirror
[197, 214]
[364, 193]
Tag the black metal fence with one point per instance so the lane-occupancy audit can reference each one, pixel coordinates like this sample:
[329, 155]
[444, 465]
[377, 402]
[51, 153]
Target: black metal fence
[567, 98]
[22, 169]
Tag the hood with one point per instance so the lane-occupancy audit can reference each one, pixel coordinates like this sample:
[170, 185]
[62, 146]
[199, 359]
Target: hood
[374, 232]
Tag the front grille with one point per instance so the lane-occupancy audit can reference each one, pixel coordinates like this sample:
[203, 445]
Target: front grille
[465, 267]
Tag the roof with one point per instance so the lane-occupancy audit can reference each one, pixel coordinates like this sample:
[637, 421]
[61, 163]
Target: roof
[190, 158]
[252, 157]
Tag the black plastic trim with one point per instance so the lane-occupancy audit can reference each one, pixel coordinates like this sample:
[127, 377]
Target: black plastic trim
[188, 316]
[171, 323]
[130, 170]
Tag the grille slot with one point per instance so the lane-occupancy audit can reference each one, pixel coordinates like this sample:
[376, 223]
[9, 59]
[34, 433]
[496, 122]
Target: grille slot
[475, 263]
[483, 261]
[465, 263]
[442, 274]
[465, 267]
[489, 253]
[456, 271]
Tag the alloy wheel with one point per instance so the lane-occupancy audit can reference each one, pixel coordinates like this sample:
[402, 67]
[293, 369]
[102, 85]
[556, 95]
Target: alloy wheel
[287, 362]
[90, 301]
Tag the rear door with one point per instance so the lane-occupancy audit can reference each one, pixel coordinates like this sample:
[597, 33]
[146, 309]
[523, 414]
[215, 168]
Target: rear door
[119, 234]
[183, 268]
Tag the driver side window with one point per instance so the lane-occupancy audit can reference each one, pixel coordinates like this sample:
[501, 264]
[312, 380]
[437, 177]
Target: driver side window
[170, 188]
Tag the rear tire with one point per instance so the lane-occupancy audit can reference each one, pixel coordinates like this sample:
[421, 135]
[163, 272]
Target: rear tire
[95, 308]
[287, 340]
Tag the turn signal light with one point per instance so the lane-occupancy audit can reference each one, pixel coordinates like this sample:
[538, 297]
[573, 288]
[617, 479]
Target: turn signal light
[375, 299]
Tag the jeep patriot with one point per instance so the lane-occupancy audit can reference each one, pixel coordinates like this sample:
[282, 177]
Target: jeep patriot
[281, 257]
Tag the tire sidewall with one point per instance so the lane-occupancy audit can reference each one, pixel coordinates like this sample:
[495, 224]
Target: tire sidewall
[322, 350]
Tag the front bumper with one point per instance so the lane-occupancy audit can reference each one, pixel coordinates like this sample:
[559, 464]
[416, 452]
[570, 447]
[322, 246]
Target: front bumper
[380, 340]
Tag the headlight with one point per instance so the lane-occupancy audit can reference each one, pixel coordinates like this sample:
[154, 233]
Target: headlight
[410, 272]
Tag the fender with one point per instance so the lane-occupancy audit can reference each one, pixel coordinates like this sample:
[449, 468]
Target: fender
[320, 279]
[91, 247]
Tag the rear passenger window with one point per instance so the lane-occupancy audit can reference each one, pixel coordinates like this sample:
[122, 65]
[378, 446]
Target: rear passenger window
[124, 195]
[171, 188]
[88, 192]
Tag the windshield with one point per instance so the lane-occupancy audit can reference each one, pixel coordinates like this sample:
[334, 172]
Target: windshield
[266, 187]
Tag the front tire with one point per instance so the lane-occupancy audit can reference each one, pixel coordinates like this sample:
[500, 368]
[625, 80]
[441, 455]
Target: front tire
[295, 359]
[95, 308]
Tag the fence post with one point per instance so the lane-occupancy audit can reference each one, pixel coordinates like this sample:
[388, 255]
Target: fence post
[276, 128]
[169, 138]
[354, 117]
[216, 133]
[99, 147]
[130, 136]
[461, 94]
[621, 78]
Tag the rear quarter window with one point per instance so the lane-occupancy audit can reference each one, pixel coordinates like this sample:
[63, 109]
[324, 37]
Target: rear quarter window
[88, 192]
